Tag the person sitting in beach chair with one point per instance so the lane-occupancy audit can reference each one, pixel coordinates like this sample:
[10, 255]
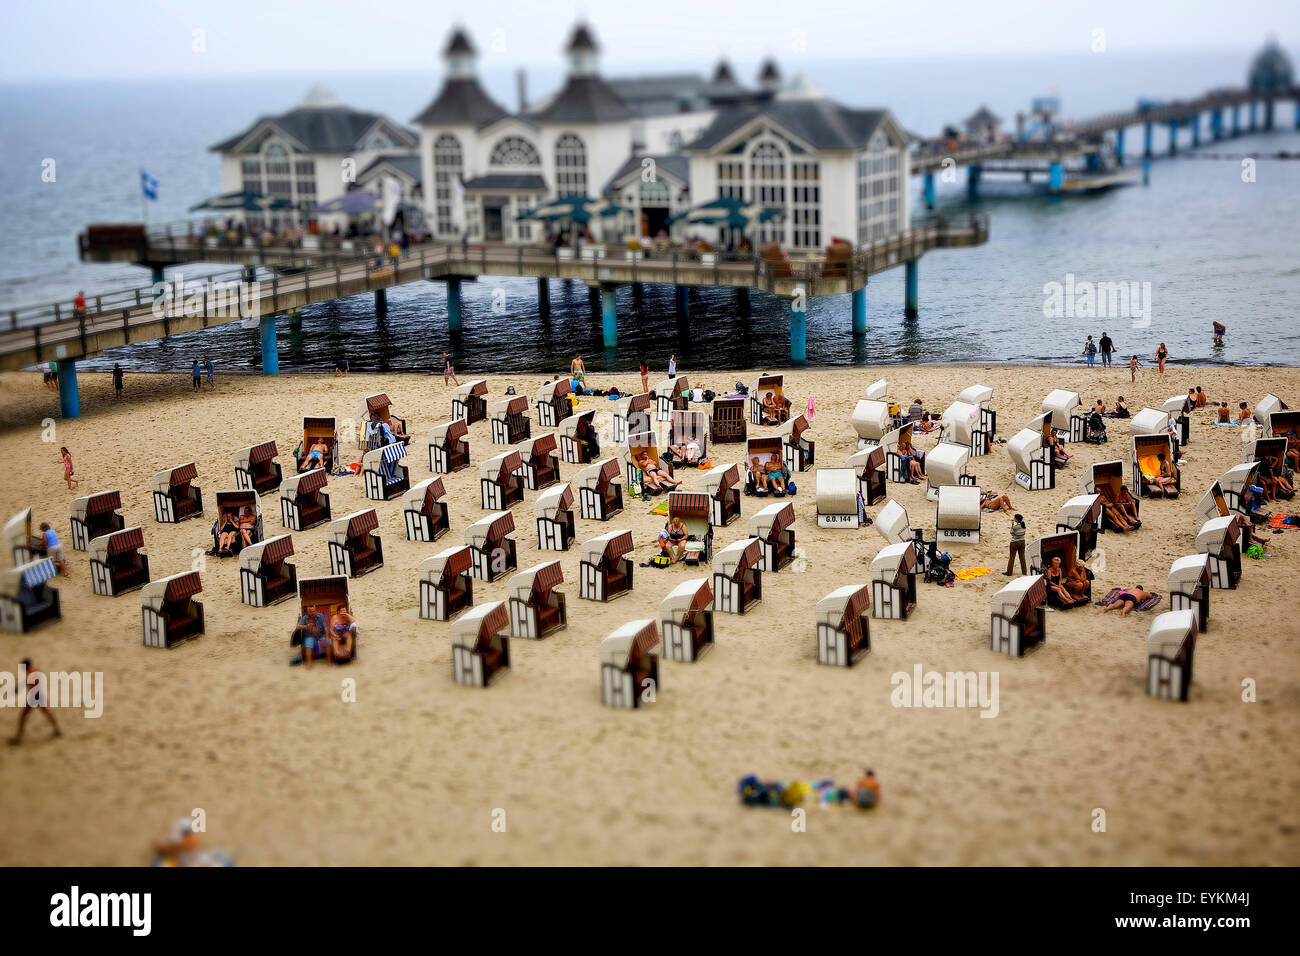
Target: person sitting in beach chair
[774, 477]
[1059, 454]
[1077, 582]
[1116, 515]
[1127, 600]
[1273, 482]
[687, 452]
[1164, 478]
[913, 461]
[673, 539]
[311, 634]
[654, 477]
[1057, 584]
[774, 413]
[226, 530]
[315, 456]
[342, 637]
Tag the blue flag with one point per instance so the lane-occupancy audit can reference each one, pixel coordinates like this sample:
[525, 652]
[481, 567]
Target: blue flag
[149, 185]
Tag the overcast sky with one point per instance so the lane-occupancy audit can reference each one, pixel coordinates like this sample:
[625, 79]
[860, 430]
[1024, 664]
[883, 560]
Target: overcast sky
[143, 38]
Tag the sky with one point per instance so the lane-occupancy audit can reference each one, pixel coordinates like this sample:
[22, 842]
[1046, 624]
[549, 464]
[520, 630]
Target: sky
[81, 39]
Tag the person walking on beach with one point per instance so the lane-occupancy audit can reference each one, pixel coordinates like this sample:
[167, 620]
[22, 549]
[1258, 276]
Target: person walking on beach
[35, 697]
[1090, 350]
[1133, 366]
[672, 366]
[645, 377]
[196, 375]
[1162, 356]
[212, 372]
[448, 370]
[117, 381]
[578, 370]
[47, 375]
[66, 457]
[1017, 545]
[1107, 346]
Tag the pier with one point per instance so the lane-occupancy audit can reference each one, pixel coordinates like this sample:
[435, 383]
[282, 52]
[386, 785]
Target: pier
[1087, 139]
[58, 332]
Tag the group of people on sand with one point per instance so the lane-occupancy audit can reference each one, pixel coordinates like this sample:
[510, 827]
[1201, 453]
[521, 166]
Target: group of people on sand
[319, 633]
[1105, 347]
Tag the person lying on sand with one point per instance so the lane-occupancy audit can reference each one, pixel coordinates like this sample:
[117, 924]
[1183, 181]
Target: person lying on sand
[992, 501]
[1127, 600]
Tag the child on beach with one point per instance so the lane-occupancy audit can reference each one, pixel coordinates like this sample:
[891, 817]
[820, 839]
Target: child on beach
[212, 372]
[54, 548]
[117, 381]
[66, 457]
[1133, 366]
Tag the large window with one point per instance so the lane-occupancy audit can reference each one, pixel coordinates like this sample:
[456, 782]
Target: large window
[878, 191]
[767, 186]
[279, 179]
[515, 151]
[731, 180]
[805, 205]
[570, 166]
[447, 164]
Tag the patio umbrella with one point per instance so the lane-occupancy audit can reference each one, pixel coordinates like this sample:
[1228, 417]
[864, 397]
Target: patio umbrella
[581, 209]
[726, 211]
[242, 202]
[352, 204]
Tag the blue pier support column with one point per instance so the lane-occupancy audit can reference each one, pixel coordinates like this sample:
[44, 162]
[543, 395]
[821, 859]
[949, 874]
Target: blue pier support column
[69, 397]
[1146, 170]
[860, 311]
[912, 282]
[742, 300]
[381, 302]
[270, 351]
[1268, 115]
[453, 305]
[973, 173]
[609, 315]
[1173, 139]
[799, 328]
[1297, 114]
[544, 298]
[1236, 119]
[1216, 124]
[1147, 138]
[1252, 116]
[1119, 145]
[927, 190]
[1196, 130]
[1055, 177]
[683, 301]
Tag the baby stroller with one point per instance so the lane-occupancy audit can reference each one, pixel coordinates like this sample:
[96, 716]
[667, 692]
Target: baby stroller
[1095, 432]
[936, 565]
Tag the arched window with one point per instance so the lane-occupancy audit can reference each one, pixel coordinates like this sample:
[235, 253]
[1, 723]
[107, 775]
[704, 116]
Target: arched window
[515, 151]
[447, 163]
[879, 188]
[279, 182]
[570, 166]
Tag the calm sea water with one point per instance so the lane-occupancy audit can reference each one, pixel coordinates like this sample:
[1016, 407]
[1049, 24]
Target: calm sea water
[1210, 245]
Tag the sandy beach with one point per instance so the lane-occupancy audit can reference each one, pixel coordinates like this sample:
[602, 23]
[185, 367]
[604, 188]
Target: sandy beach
[413, 770]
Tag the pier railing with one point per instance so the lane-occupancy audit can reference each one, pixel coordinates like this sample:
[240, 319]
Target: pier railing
[60, 332]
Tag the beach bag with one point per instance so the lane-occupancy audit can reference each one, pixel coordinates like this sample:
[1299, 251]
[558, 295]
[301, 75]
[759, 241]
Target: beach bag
[791, 488]
[1255, 551]
[709, 394]
[661, 560]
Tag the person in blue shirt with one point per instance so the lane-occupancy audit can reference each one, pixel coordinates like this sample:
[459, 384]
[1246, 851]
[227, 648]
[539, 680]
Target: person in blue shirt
[312, 633]
[198, 377]
[54, 549]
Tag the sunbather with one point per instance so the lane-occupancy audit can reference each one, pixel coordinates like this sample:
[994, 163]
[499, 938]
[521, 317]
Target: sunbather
[1059, 454]
[653, 476]
[315, 456]
[1076, 581]
[343, 628]
[247, 525]
[913, 461]
[1127, 600]
[774, 473]
[1274, 483]
[687, 452]
[1164, 478]
[673, 539]
[227, 532]
[1056, 584]
[992, 501]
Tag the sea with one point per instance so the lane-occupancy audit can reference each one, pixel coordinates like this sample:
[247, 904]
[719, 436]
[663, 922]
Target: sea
[1211, 237]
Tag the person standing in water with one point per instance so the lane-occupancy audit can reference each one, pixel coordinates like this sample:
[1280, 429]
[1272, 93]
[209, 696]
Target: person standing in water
[1107, 346]
[1162, 356]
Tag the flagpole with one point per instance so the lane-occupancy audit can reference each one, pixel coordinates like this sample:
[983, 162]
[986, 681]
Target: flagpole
[144, 209]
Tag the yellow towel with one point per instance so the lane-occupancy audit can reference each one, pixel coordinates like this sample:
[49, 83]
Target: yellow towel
[965, 574]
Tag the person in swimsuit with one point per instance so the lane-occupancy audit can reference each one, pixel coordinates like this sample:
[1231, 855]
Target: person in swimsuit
[1162, 356]
[1243, 414]
[1116, 514]
[1076, 580]
[912, 461]
[1165, 479]
[1219, 330]
[645, 377]
[1121, 409]
[315, 457]
[655, 477]
[247, 525]
[34, 698]
[1127, 600]
[992, 501]
[775, 475]
[675, 544]
[227, 531]
[66, 457]
[1056, 584]
[344, 628]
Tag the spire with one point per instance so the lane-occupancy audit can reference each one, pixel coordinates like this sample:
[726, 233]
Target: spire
[582, 51]
[459, 54]
[769, 76]
[319, 97]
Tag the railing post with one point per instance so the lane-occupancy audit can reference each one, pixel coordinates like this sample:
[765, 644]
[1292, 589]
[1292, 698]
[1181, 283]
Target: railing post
[13, 319]
[674, 267]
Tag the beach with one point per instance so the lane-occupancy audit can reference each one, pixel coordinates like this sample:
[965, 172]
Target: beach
[417, 770]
